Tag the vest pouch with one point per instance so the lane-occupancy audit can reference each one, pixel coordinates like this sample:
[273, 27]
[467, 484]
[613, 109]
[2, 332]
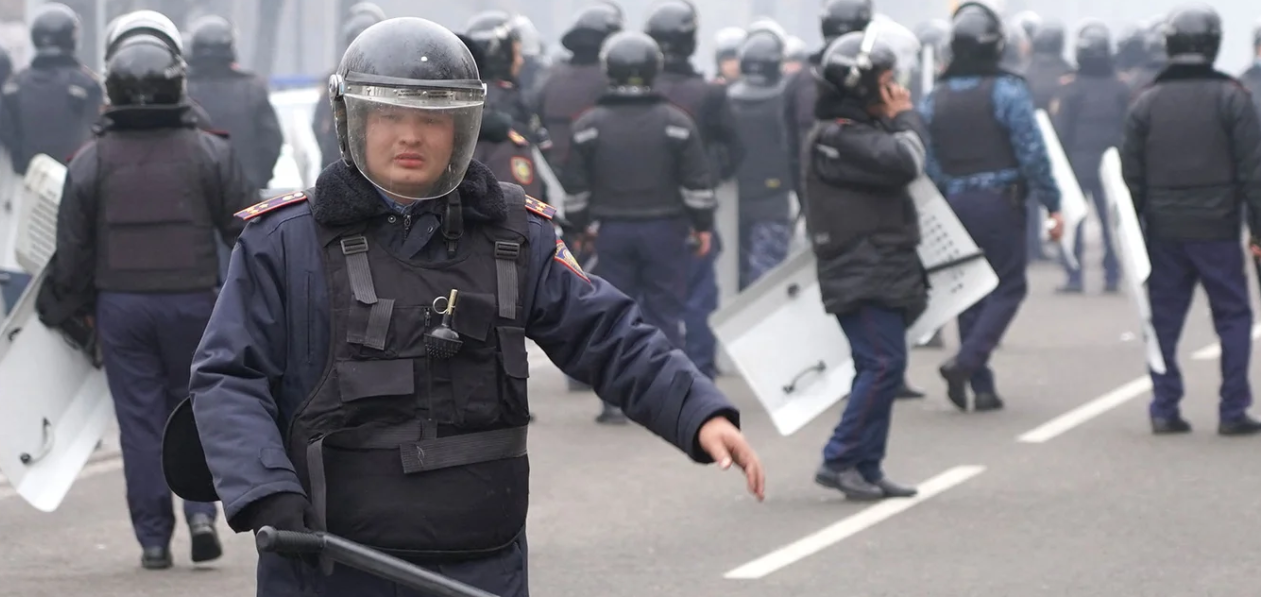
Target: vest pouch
[437, 514]
[377, 391]
[514, 375]
[472, 373]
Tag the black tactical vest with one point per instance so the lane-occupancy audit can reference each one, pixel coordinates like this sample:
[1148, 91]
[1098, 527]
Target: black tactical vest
[686, 92]
[156, 231]
[1169, 163]
[967, 138]
[401, 449]
[759, 113]
[570, 91]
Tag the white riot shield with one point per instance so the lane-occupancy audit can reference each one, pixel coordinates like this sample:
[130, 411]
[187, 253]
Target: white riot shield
[1127, 238]
[794, 355]
[10, 206]
[1072, 200]
[54, 406]
[37, 231]
[556, 195]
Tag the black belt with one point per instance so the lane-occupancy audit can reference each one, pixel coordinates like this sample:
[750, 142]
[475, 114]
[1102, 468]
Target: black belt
[417, 456]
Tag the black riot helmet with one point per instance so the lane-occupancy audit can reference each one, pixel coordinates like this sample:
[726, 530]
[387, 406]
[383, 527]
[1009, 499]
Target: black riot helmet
[213, 40]
[55, 31]
[1154, 31]
[727, 42]
[407, 104]
[852, 65]
[673, 23]
[795, 49]
[762, 58]
[1193, 34]
[593, 25]
[144, 71]
[977, 35]
[1131, 50]
[631, 62]
[769, 25]
[1094, 45]
[147, 22]
[1049, 38]
[495, 35]
[844, 16]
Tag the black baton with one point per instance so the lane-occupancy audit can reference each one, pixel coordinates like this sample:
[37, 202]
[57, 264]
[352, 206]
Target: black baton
[360, 557]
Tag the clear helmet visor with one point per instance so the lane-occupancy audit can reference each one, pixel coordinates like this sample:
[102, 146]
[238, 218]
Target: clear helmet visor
[902, 41]
[413, 143]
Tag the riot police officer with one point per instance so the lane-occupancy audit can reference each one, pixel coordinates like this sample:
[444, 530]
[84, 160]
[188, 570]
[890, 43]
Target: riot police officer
[1131, 52]
[574, 86]
[795, 56]
[407, 234]
[1089, 112]
[533, 58]
[727, 53]
[865, 150]
[1047, 67]
[136, 242]
[673, 25]
[637, 167]
[360, 17]
[986, 153]
[1251, 77]
[500, 148]
[1154, 57]
[157, 25]
[839, 17]
[1190, 173]
[49, 107]
[764, 184]
[933, 34]
[237, 100]
[500, 43]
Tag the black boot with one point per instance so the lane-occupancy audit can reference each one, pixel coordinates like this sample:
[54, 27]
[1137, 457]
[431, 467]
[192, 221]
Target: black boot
[1242, 426]
[156, 558]
[611, 415]
[850, 482]
[956, 383]
[908, 392]
[1170, 426]
[893, 490]
[986, 401]
[205, 539]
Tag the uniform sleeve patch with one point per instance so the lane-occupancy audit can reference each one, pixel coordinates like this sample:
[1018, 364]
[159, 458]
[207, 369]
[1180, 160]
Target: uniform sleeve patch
[263, 207]
[522, 170]
[539, 208]
[516, 138]
[566, 258]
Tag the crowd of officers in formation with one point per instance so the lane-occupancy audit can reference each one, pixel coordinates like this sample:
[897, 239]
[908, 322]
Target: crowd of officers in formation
[385, 310]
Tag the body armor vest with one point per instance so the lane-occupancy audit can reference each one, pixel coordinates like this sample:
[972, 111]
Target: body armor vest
[157, 233]
[967, 138]
[1169, 163]
[406, 445]
[572, 90]
[686, 92]
[759, 113]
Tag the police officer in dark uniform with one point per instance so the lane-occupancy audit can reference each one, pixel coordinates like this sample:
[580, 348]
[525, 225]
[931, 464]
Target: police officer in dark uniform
[727, 53]
[839, 17]
[1251, 78]
[49, 108]
[1047, 67]
[986, 154]
[1131, 52]
[1154, 58]
[494, 33]
[384, 313]
[574, 86]
[1089, 112]
[156, 24]
[136, 238]
[673, 25]
[1192, 161]
[865, 150]
[237, 100]
[500, 148]
[638, 168]
[764, 184]
[795, 55]
[360, 17]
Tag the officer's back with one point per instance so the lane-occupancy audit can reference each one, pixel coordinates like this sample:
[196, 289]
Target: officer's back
[757, 101]
[237, 100]
[573, 87]
[49, 108]
[1090, 106]
[1047, 66]
[500, 148]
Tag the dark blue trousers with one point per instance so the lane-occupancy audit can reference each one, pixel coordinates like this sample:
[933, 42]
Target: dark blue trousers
[1111, 271]
[996, 225]
[702, 301]
[148, 341]
[877, 339]
[505, 574]
[644, 259]
[763, 246]
[1176, 268]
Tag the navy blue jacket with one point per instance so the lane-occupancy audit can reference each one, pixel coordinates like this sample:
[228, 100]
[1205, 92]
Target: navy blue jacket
[266, 346]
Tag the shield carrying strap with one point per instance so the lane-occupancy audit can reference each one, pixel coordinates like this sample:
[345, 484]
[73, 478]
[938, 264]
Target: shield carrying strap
[506, 254]
[355, 249]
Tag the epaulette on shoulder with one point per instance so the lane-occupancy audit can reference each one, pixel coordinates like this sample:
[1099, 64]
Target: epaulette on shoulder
[274, 203]
[517, 139]
[539, 208]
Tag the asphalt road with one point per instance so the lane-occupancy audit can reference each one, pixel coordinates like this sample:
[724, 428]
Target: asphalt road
[1091, 506]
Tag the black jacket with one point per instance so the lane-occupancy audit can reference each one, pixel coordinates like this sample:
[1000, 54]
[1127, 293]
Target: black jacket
[1191, 155]
[708, 107]
[1089, 114]
[1251, 80]
[863, 222]
[1044, 75]
[49, 109]
[637, 157]
[238, 102]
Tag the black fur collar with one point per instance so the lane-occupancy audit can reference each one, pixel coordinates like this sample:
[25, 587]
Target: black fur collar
[1189, 72]
[616, 98]
[343, 196]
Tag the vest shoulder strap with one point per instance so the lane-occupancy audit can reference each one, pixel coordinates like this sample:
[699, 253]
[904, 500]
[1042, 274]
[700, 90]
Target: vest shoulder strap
[510, 267]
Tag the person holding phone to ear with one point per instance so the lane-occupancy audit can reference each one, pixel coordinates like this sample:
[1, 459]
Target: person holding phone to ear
[865, 149]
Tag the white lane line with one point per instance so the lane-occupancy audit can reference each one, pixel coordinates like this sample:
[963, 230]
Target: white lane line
[1088, 411]
[848, 527]
[1209, 353]
[95, 469]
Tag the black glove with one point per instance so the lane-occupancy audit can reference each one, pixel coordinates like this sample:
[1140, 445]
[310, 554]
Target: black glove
[281, 511]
